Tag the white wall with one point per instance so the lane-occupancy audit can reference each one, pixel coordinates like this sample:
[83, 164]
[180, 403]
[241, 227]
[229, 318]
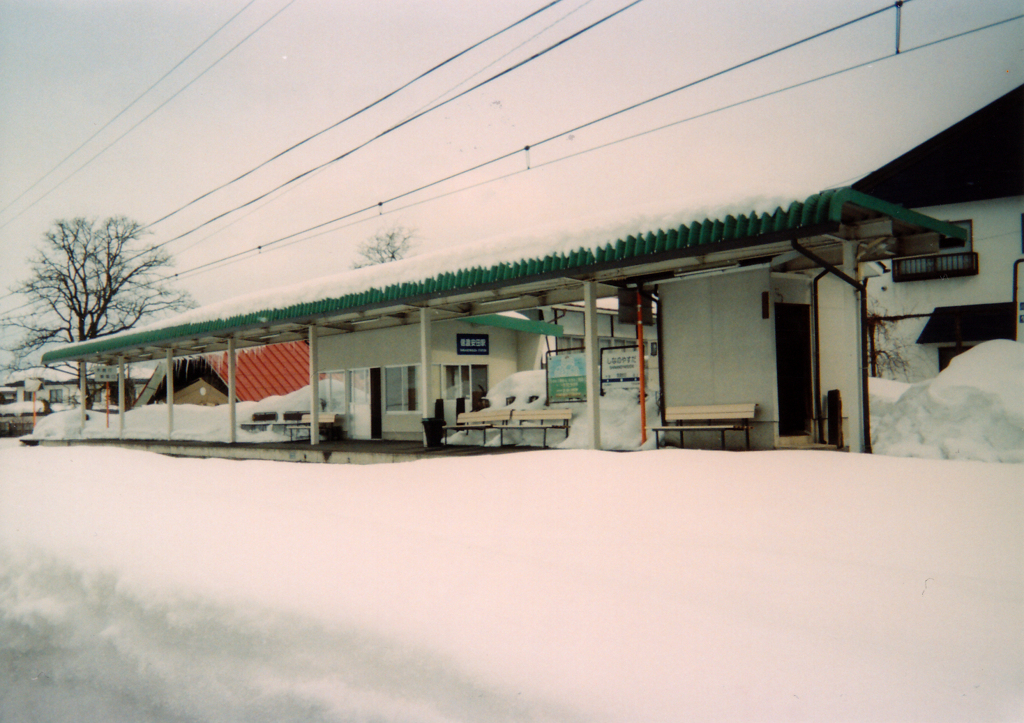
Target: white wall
[718, 349]
[997, 240]
[400, 345]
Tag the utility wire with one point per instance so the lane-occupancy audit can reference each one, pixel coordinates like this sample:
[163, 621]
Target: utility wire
[504, 55]
[127, 107]
[150, 114]
[353, 115]
[407, 121]
[294, 239]
[233, 258]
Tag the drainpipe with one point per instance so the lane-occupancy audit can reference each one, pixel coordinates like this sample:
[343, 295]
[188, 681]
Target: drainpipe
[862, 290]
[1016, 299]
[819, 422]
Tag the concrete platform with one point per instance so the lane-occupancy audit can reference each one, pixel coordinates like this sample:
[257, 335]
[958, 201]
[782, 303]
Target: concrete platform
[345, 452]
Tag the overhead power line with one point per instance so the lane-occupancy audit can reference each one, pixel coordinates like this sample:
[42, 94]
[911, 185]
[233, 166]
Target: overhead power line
[349, 117]
[294, 237]
[151, 113]
[405, 122]
[127, 107]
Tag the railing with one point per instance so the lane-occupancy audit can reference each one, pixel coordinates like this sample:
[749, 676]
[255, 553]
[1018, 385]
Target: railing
[939, 266]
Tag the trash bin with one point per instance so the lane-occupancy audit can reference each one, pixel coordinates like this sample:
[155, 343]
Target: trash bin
[433, 429]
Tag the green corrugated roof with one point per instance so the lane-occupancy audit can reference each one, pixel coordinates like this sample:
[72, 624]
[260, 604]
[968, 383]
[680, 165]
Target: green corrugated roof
[820, 208]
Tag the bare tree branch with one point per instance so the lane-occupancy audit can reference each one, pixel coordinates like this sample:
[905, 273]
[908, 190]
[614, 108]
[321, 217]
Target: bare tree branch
[385, 246]
[89, 280]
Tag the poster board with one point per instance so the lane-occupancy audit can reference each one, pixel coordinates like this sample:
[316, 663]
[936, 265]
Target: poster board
[567, 377]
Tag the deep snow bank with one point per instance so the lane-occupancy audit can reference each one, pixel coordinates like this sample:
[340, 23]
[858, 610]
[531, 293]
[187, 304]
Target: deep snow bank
[973, 410]
[545, 586]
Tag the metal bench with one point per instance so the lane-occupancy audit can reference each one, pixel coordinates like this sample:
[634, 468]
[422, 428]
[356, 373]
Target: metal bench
[544, 419]
[721, 417]
[329, 426]
[483, 420]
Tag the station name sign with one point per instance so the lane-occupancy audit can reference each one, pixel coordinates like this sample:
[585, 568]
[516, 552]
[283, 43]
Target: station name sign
[472, 344]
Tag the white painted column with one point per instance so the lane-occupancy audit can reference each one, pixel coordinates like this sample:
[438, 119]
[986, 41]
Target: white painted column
[854, 412]
[120, 398]
[314, 385]
[169, 361]
[426, 360]
[232, 390]
[593, 358]
[82, 389]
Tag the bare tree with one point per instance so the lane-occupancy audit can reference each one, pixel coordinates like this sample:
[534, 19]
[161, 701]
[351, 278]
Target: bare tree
[92, 279]
[385, 246]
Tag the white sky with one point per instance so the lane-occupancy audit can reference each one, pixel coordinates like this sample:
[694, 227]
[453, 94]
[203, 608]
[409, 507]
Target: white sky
[66, 68]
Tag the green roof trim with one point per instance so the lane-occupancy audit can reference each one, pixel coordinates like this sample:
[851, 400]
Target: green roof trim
[821, 208]
[529, 326]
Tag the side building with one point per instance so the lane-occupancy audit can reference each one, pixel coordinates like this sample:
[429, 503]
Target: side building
[941, 299]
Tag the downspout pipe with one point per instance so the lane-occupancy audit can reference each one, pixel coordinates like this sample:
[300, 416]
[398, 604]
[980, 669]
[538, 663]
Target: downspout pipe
[818, 421]
[1016, 300]
[862, 290]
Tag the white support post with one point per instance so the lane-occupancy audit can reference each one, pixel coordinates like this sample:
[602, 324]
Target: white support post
[82, 390]
[169, 361]
[855, 412]
[120, 398]
[232, 391]
[314, 385]
[426, 347]
[593, 359]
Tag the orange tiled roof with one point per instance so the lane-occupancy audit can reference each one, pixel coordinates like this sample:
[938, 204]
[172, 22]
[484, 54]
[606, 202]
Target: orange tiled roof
[266, 371]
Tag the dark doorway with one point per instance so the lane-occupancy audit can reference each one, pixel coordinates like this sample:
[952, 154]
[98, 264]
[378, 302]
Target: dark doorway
[376, 418]
[793, 364]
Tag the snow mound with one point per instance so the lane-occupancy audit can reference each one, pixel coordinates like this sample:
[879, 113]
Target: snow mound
[974, 409]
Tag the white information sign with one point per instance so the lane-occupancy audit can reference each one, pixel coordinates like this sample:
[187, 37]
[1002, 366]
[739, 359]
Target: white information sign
[103, 374]
[620, 368]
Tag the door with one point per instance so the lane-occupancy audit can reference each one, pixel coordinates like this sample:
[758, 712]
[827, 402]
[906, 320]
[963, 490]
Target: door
[793, 367]
[367, 422]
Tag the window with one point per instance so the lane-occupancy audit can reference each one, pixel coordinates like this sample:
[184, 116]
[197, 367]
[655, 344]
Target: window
[465, 381]
[401, 388]
[952, 245]
[56, 396]
[332, 392]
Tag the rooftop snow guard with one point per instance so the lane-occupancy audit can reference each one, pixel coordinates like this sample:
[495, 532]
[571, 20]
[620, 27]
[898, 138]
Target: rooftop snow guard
[290, 311]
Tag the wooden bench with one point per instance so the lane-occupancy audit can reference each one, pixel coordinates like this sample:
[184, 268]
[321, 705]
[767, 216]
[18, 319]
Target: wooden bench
[329, 425]
[721, 417]
[544, 419]
[483, 420]
[261, 422]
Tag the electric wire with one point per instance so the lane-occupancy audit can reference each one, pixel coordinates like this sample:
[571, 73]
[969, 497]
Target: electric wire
[405, 122]
[234, 258]
[150, 114]
[362, 110]
[127, 107]
[293, 236]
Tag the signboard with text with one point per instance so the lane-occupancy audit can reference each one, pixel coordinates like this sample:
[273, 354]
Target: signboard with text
[472, 344]
[103, 374]
[567, 377]
[620, 368]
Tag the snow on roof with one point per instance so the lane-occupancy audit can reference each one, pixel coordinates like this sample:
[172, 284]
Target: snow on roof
[508, 248]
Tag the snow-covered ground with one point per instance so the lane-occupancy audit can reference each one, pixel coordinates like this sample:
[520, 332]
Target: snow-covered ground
[555, 586]
[560, 585]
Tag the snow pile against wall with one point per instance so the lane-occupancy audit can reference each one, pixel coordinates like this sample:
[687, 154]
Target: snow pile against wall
[973, 410]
